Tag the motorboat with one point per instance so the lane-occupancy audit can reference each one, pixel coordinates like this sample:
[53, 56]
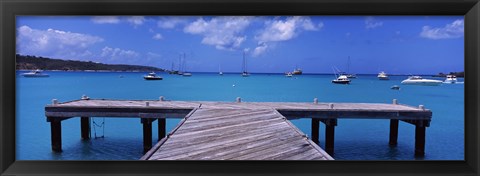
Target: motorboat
[417, 80]
[395, 87]
[342, 79]
[187, 74]
[451, 79]
[35, 73]
[289, 74]
[382, 76]
[152, 76]
[297, 71]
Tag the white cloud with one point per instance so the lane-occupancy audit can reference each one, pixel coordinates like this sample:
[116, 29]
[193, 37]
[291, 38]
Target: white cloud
[158, 36]
[54, 43]
[171, 22]
[260, 49]
[372, 23]
[452, 30]
[136, 20]
[106, 19]
[116, 54]
[282, 30]
[221, 32]
[278, 30]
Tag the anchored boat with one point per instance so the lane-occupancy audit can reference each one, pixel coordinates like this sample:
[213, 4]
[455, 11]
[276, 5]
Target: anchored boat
[152, 76]
[244, 66]
[382, 76]
[451, 79]
[418, 80]
[35, 73]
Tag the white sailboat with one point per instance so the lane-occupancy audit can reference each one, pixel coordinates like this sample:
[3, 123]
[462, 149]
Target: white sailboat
[185, 73]
[220, 70]
[244, 68]
[348, 74]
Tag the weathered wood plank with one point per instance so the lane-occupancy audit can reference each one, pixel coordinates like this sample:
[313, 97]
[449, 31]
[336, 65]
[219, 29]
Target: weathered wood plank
[187, 151]
[199, 139]
[255, 148]
[273, 150]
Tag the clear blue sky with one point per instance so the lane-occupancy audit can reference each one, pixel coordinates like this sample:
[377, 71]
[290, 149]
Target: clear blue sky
[394, 44]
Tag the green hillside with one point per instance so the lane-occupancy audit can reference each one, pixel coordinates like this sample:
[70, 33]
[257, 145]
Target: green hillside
[35, 62]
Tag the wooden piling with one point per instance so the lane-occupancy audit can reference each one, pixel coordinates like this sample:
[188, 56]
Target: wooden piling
[161, 128]
[393, 132]
[330, 135]
[330, 139]
[419, 140]
[56, 135]
[315, 130]
[85, 127]
[147, 135]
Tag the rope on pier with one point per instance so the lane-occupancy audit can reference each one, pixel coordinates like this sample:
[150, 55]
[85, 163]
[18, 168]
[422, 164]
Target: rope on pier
[102, 125]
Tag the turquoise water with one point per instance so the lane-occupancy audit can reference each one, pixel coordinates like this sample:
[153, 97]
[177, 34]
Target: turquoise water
[354, 139]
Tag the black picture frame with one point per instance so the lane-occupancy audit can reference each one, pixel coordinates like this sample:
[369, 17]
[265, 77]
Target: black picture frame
[10, 9]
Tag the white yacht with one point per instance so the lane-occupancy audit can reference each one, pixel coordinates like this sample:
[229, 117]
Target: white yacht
[417, 80]
[342, 79]
[152, 76]
[451, 79]
[382, 76]
[35, 73]
[289, 74]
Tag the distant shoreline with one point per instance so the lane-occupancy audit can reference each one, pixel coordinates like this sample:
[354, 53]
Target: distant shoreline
[260, 73]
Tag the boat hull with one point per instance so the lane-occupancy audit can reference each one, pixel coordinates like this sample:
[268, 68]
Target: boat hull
[150, 79]
[340, 82]
[450, 82]
[422, 83]
[35, 76]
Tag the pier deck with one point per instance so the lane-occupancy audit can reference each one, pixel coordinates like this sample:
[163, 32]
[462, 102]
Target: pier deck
[236, 130]
[238, 134]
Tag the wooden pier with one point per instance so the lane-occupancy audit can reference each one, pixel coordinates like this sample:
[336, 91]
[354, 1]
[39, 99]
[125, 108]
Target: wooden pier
[236, 130]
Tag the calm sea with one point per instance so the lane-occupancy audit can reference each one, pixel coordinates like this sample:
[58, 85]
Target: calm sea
[354, 139]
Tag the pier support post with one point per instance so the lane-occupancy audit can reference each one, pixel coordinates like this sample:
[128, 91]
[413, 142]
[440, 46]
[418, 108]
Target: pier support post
[330, 135]
[161, 128]
[419, 140]
[315, 130]
[85, 127]
[393, 132]
[56, 135]
[147, 135]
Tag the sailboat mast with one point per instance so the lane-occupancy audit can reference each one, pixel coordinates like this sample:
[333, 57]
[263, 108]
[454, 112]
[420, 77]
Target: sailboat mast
[245, 61]
[348, 65]
[180, 63]
[185, 62]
